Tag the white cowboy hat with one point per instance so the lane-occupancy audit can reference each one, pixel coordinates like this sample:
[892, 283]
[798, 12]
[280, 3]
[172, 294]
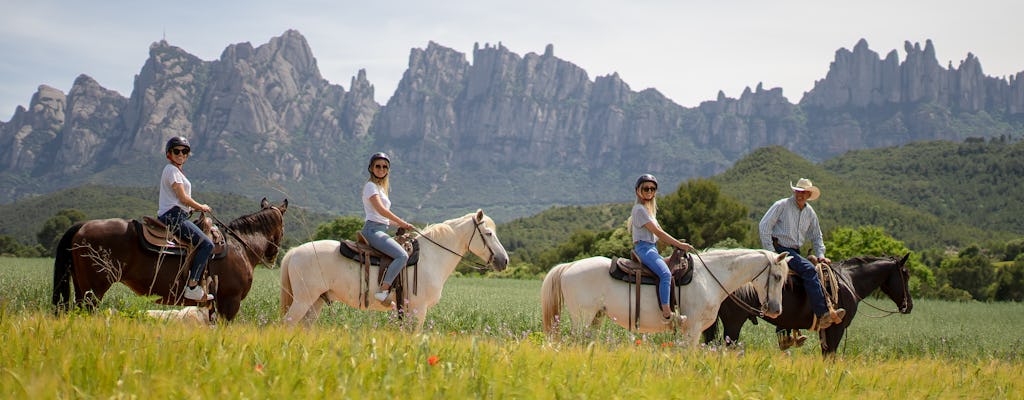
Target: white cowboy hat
[805, 184]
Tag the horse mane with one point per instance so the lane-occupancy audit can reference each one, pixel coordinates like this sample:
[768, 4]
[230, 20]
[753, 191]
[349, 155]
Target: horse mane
[444, 230]
[256, 222]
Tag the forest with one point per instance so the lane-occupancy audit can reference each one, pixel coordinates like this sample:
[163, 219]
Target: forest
[954, 206]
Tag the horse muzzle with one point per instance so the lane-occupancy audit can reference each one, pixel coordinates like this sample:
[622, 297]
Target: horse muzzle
[773, 309]
[499, 262]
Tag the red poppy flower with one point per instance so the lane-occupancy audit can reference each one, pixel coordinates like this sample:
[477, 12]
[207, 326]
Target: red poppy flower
[433, 360]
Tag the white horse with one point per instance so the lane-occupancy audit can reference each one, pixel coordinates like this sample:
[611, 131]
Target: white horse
[588, 292]
[316, 272]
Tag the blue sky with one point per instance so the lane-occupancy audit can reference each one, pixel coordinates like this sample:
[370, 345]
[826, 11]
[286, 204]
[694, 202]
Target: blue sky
[688, 50]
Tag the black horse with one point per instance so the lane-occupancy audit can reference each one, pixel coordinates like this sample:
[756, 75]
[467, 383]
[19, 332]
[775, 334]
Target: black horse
[864, 274]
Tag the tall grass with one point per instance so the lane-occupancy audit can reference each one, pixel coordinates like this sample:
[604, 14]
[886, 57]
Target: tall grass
[113, 356]
[482, 340]
[506, 309]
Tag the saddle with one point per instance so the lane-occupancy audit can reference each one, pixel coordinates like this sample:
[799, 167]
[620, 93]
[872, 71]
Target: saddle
[156, 238]
[361, 252]
[633, 271]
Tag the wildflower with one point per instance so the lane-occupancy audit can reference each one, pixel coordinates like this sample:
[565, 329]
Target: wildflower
[638, 341]
[432, 360]
[259, 368]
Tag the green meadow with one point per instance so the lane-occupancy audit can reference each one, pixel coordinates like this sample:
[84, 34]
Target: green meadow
[482, 341]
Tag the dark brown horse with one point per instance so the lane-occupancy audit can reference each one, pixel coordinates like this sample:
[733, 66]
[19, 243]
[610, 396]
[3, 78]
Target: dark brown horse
[95, 254]
[859, 277]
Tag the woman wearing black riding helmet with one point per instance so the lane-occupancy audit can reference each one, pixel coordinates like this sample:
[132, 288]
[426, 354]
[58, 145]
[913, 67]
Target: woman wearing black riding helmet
[377, 207]
[176, 205]
[643, 225]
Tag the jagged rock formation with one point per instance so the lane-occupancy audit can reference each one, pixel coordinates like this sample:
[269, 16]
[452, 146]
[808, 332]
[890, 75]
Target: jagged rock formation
[514, 132]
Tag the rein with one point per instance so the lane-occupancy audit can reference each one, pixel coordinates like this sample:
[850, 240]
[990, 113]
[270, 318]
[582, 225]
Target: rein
[746, 307]
[478, 266]
[906, 295]
[234, 234]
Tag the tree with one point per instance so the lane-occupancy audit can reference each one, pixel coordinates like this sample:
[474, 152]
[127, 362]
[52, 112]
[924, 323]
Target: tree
[341, 228]
[1010, 281]
[845, 243]
[55, 227]
[970, 271]
[699, 213]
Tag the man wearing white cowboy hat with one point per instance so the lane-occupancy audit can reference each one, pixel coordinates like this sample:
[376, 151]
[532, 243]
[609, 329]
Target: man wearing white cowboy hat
[784, 229]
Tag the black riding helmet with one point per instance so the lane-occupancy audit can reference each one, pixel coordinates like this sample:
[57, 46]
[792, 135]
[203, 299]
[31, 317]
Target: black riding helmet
[646, 178]
[177, 141]
[375, 157]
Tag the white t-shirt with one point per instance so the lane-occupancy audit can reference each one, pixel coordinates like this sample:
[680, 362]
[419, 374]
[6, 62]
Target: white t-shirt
[370, 189]
[641, 218]
[168, 199]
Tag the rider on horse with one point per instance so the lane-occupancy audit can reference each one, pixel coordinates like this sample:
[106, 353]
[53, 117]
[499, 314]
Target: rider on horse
[644, 227]
[377, 206]
[176, 204]
[783, 229]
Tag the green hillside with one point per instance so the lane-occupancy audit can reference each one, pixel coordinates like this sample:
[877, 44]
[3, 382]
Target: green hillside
[24, 218]
[974, 183]
[869, 187]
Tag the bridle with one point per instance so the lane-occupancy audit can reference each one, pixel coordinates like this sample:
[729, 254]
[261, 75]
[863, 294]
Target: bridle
[263, 260]
[478, 230]
[746, 307]
[904, 287]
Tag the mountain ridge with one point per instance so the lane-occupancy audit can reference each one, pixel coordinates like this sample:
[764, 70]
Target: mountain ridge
[263, 119]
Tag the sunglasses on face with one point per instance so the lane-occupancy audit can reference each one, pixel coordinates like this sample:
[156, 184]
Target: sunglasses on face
[648, 189]
[381, 166]
[179, 151]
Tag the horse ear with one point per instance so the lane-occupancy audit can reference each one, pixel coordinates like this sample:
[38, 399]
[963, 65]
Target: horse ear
[264, 203]
[479, 215]
[284, 206]
[784, 257]
[905, 258]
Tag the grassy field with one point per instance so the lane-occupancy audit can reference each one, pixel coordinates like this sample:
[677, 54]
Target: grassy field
[482, 340]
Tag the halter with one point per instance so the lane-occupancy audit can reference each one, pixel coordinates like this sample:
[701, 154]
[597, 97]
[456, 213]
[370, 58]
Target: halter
[478, 266]
[746, 307]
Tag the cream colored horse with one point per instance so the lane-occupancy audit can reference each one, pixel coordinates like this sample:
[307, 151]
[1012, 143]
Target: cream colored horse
[315, 272]
[588, 292]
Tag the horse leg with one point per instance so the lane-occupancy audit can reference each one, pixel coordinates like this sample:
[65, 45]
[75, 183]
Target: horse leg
[731, 327]
[313, 314]
[89, 292]
[228, 306]
[711, 333]
[830, 339]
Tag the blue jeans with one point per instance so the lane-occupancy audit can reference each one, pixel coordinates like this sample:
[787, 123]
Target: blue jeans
[376, 234]
[809, 275]
[177, 222]
[648, 253]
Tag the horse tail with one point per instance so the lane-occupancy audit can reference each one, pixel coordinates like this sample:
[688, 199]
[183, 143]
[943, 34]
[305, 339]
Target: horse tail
[286, 284]
[551, 296]
[63, 269]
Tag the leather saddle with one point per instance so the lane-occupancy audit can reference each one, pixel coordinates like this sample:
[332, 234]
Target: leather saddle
[359, 250]
[365, 255]
[631, 269]
[634, 272]
[158, 239]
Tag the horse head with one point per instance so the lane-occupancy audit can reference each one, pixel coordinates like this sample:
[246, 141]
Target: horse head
[488, 248]
[778, 270]
[262, 232]
[897, 282]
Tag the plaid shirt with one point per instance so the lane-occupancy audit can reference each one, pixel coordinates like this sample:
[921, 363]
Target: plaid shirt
[791, 226]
